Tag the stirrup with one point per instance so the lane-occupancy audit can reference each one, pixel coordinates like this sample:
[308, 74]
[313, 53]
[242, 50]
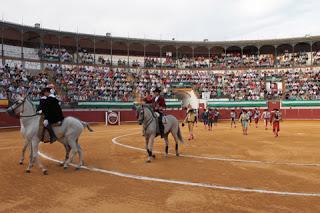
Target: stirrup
[162, 135]
[54, 139]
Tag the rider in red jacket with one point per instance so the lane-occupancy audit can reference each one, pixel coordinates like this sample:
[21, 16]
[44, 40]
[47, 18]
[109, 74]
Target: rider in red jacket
[148, 99]
[158, 104]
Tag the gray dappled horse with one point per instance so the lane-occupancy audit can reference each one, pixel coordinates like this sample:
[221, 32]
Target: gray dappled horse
[68, 133]
[149, 119]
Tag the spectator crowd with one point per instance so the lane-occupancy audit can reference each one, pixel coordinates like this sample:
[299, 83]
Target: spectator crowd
[88, 83]
[216, 61]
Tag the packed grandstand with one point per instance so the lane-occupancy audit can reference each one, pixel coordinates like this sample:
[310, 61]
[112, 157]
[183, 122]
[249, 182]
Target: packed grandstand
[94, 68]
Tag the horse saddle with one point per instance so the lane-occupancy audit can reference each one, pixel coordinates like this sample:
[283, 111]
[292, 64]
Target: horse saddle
[43, 133]
[164, 122]
[45, 137]
[164, 118]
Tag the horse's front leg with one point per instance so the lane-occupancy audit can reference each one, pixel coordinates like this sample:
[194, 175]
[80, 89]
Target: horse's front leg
[150, 148]
[147, 142]
[31, 160]
[167, 145]
[147, 139]
[35, 157]
[25, 145]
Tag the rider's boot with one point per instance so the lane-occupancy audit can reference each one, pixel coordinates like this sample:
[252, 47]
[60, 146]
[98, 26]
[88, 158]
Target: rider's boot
[161, 127]
[53, 136]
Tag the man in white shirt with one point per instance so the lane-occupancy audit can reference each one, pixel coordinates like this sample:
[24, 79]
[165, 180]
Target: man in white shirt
[256, 117]
[266, 116]
[233, 115]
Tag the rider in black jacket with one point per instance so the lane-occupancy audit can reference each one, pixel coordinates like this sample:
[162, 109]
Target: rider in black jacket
[51, 109]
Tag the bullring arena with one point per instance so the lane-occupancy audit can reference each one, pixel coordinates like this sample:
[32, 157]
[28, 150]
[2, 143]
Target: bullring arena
[218, 171]
[255, 64]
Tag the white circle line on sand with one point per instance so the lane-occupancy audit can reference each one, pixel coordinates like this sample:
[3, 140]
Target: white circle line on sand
[9, 147]
[112, 130]
[114, 141]
[187, 183]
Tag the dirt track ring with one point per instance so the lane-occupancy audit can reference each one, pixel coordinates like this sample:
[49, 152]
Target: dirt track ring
[114, 141]
[197, 184]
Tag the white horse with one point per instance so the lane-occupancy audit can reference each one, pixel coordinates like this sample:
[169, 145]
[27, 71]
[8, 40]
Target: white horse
[68, 133]
[149, 119]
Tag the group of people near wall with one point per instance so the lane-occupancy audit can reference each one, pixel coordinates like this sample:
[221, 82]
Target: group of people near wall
[216, 60]
[246, 117]
[210, 117]
[85, 57]
[55, 54]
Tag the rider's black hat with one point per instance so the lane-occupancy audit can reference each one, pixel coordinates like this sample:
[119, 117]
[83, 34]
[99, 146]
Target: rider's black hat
[157, 90]
[46, 89]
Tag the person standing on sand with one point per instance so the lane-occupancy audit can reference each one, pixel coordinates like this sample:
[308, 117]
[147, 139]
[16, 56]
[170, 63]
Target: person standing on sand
[233, 115]
[276, 122]
[190, 119]
[244, 118]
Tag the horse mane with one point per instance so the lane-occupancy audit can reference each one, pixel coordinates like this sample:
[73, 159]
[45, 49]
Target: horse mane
[30, 101]
[151, 110]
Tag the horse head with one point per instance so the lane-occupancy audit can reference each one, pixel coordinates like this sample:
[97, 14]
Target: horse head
[140, 114]
[17, 105]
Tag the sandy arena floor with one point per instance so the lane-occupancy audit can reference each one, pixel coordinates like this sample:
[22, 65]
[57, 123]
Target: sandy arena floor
[221, 171]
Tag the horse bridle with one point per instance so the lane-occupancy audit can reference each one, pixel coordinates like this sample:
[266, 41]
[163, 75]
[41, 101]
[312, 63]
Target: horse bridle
[18, 105]
[150, 120]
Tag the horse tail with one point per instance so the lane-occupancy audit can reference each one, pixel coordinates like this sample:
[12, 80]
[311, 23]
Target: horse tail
[179, 135]
[86, 125]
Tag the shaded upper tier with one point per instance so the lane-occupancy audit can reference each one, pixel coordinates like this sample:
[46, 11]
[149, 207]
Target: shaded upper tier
[16, 34]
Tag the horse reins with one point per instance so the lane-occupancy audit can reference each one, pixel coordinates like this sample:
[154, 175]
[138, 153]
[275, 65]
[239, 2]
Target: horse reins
[28, 116]
[150, 120]
[23, 116]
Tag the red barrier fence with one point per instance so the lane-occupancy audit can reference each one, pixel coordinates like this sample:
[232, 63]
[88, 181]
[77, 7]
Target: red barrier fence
[89, 116]
[130, 115]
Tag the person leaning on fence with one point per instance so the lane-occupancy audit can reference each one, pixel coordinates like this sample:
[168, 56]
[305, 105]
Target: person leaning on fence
[190, 119]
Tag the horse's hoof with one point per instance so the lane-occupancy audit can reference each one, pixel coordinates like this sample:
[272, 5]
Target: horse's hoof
[28, 171]
[21, 162]
[177, 154]
[65, 167]
[148, 161]
[78, 168]
[45, 172]
[166, 156]
[154, 156]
